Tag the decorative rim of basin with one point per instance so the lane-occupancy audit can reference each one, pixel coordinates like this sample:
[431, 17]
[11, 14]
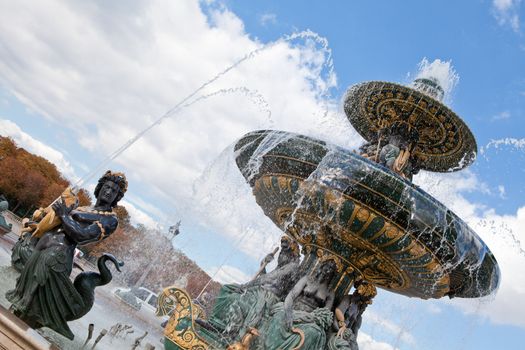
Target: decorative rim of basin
[446, 143]
[393, 233]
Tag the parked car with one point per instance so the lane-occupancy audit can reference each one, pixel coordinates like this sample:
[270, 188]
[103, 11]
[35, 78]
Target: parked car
[138, 298]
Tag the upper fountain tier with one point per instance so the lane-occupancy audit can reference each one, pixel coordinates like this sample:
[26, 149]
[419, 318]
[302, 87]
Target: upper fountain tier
[440, 140]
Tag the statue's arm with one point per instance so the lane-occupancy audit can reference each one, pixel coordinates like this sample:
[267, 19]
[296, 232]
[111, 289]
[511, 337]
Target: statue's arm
[84, 233]
[255, 282]
[339, 312]
[79, 233]
[290, 298]
[252, 283]
[271, 276]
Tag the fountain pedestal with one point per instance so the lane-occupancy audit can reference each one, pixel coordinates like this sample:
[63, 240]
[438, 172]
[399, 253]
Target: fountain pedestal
[16, 335]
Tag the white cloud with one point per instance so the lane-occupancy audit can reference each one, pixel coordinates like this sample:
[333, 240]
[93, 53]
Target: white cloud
[506, 13]
[366, 342]
[108, 72]
[501, 116]
[390, 327]
[502, 235]
[228, 274]
[24, 140]
[433, 308]
[267, 18]
[139, 216]
[502, 192]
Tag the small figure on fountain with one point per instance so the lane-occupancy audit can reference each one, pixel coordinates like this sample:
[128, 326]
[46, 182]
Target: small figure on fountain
[393, 149]
[348, 317]
[44, 295]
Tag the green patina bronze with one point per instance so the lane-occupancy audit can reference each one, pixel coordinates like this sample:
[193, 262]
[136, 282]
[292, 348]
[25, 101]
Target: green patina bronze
[359, 220]
[4, 226]
[383, 226]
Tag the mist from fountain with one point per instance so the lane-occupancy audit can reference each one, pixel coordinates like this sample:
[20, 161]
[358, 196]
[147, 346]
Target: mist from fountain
[187, 101]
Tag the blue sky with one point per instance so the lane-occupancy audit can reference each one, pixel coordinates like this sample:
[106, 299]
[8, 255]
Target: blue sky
[76, 88]
[384, 40]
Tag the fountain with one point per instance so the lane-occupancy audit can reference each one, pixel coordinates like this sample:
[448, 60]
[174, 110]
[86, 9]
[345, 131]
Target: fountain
[360, 221]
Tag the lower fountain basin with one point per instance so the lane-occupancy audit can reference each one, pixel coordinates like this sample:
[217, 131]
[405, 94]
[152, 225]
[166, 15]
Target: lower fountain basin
[388, 230]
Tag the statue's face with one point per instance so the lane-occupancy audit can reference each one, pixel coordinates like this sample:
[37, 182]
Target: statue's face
[108, 193]
[285, 244]
[326, 270]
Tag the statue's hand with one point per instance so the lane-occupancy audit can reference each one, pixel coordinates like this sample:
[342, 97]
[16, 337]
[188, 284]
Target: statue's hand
[61, 209]
[341, 331]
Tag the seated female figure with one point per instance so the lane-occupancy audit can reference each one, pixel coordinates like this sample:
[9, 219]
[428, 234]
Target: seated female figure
[44, 295]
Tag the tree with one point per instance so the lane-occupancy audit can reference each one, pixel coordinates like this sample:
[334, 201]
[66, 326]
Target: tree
[29, 181]
[123, 215]
[139, 247]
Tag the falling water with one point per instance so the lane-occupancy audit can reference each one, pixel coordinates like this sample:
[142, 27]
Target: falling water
[439, 70]
[187, 100]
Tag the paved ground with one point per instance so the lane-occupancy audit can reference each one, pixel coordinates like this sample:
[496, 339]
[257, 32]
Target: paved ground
[106, 312]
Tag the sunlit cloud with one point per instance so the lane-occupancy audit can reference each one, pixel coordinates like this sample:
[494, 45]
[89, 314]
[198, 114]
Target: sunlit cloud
[507, 13]
[267, 19]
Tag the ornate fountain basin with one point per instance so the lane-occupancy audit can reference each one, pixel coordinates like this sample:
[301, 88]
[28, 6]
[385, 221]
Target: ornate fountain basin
[384, 228]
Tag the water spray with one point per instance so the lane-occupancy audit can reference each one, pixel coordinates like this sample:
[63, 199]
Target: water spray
[308, 34]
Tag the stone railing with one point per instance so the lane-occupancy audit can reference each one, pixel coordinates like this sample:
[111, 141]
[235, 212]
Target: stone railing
[13, 219]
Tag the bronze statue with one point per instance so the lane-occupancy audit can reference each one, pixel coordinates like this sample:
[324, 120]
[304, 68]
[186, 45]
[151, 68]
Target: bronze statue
[302, 320]
[242, 307]
[348, 317]
[4, 226]
[23, 248]
[393, 148]
[44, 295]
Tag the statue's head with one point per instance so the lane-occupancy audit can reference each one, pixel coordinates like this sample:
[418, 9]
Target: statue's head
[365, 291]
[111, 188]
[326, 270]
[290, 247]
[3, 205]
[289, 251]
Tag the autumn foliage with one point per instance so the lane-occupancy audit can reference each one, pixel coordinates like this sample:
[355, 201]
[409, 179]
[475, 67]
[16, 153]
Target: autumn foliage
[29, 181]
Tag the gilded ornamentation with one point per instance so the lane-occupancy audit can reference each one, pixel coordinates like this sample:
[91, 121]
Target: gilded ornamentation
[390, 232]
[181, 327]
[378, 263]
[367, 290]
[445, 141]
[325, 256]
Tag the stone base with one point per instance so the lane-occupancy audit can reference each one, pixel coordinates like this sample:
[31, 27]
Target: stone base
[16, 335]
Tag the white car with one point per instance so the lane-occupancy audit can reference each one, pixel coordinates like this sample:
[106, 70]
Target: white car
[138, 298]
